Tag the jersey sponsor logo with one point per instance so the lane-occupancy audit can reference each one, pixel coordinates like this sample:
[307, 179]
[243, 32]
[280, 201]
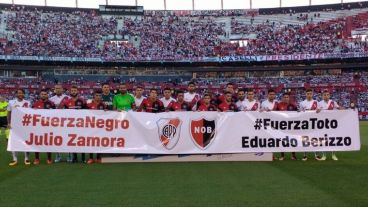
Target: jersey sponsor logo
[203, 132]
[169, 132]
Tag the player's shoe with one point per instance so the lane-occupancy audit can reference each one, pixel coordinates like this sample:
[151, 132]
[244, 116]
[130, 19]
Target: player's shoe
[305, 158]
[69, 158]
[323, 158]
[334, 157]
[49, 162]
[36, 162]
[90, 161]
[58, 158]
[99, 161]
[317, 157]
[13, 163]
[293, 158]
[27, 162]
[281, 158]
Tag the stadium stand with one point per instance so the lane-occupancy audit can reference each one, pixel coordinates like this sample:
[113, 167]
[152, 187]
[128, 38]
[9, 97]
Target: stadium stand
[181, 36]
[178, 35]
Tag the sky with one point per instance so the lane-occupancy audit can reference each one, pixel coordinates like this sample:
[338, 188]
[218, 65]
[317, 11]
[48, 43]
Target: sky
[178, 4]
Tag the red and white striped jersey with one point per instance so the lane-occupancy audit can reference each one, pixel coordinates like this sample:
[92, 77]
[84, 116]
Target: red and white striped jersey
[308, 105]
[267, 105]
[247, 105]
[329, 105]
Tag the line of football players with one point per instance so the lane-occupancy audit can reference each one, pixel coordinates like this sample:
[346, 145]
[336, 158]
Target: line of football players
[229, 101]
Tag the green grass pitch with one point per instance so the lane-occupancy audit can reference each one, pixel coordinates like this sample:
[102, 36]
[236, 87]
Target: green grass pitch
[279, 183]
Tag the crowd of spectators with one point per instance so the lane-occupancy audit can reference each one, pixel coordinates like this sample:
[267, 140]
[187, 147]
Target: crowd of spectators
[165, 35]
[276, 38]
[59, 34]
[173, 37]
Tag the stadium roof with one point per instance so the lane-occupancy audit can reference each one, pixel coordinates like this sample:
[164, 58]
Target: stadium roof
[180, 4]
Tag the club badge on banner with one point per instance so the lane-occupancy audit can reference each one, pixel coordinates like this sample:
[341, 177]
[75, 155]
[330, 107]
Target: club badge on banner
[97, 131]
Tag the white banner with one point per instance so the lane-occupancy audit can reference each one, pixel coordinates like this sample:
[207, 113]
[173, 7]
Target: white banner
[182, 132]
[294, 57]
[239, 58]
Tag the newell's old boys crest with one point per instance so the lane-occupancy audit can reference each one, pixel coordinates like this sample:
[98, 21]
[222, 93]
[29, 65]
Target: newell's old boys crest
[169, 132]
[203, 132]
